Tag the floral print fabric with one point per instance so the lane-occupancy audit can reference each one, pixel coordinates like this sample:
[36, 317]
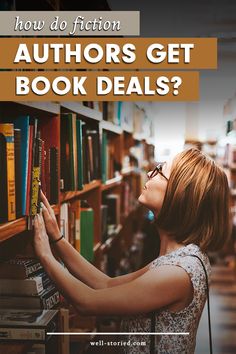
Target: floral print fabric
[186, 320]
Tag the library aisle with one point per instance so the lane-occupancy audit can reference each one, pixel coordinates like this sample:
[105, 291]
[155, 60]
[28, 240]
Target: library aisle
[223, 313]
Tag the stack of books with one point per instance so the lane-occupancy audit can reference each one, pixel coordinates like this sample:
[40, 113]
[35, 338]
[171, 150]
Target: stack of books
[35, 327]
[24, 284]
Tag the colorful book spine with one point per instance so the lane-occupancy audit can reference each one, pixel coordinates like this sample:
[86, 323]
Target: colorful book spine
[7, 130]
[87, 233]
[22, 123]
[79, 124]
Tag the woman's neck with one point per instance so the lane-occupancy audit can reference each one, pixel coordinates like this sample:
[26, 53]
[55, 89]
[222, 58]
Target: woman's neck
[167, 244]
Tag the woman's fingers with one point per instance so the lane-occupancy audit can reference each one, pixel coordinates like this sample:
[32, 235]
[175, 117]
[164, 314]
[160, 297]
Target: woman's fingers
[47, 204]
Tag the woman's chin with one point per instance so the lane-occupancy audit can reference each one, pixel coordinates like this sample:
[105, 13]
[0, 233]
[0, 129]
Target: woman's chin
[141, 199]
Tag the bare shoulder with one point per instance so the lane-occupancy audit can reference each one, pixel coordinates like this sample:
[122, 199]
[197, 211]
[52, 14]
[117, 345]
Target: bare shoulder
[170, 278]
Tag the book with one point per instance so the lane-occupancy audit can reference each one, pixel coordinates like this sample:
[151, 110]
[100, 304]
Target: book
[94, 154]
[67, 151]
[64, 220]
[53, 171]
[47, 299]
[104, 212]
[20, 268]
[3, 179]
[25, 324]
[86, 231]
[36, 174]
[29, 170]
[79, 125]
[104, 157]
[113, 203]
[50, 135]
[31, 286]
[75, 208]
[7, 132]
[23, 123]
[18, 173]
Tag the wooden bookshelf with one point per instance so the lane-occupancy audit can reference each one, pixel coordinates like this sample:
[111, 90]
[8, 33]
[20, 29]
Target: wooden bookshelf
[119, 140]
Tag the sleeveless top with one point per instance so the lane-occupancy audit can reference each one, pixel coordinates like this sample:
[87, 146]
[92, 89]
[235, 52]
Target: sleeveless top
[185, 320]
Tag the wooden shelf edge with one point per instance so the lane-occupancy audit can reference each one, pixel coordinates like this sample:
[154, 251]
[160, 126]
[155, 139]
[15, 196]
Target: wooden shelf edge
[127, 170]
[139, 136]
[66, 196]
[12, 228]
[84, 111]
[127, 129]
[50, 107]
[96, 247]
[111, 183]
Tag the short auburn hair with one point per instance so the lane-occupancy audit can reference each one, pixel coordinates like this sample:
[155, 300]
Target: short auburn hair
[196, 204]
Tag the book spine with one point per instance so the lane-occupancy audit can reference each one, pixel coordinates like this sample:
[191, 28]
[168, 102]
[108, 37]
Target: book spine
[79, 153]
[36, 176]
[3, 179]
[54, 175]
[29, 170]
[21, 287]
[22, 334]
[51, 301]
[33, 269]
[8, 132]
[18, 172]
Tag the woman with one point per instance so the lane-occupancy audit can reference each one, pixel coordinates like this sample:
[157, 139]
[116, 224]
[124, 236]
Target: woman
[190, 199]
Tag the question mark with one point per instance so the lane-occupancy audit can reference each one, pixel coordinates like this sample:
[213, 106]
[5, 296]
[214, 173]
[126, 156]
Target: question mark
[177, 82]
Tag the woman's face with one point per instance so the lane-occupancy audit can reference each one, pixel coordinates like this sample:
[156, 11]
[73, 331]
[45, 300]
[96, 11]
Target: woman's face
[154, 190]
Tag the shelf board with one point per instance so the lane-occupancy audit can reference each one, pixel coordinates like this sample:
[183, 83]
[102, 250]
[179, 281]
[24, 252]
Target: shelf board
[127, 129]
[83, 111]
[111, 183]
[111, 127]
[139, 136]
[11, 228]
[65, 196]
[43, 106]
[96, 247]
[127, 170]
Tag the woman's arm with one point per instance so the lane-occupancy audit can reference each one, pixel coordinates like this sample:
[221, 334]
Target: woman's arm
[152, 290]
[75, 263]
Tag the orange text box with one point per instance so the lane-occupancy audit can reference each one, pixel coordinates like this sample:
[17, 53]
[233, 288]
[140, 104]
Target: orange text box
[99, 86]
[114, 53]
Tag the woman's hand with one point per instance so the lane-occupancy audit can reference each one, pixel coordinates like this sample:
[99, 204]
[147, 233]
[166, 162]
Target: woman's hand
[49, 219]
[41, 241]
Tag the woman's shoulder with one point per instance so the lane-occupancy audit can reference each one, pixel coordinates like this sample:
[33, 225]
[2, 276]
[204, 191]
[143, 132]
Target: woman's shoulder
[186, 257]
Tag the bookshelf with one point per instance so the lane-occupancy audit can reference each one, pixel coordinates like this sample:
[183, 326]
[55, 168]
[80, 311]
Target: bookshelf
[120, 181]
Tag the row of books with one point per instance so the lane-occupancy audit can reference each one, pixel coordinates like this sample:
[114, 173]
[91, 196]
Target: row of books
[77, 225]
[109, 163]
[77, 222]
[80, 152]
[29, 156]
[24, 284]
